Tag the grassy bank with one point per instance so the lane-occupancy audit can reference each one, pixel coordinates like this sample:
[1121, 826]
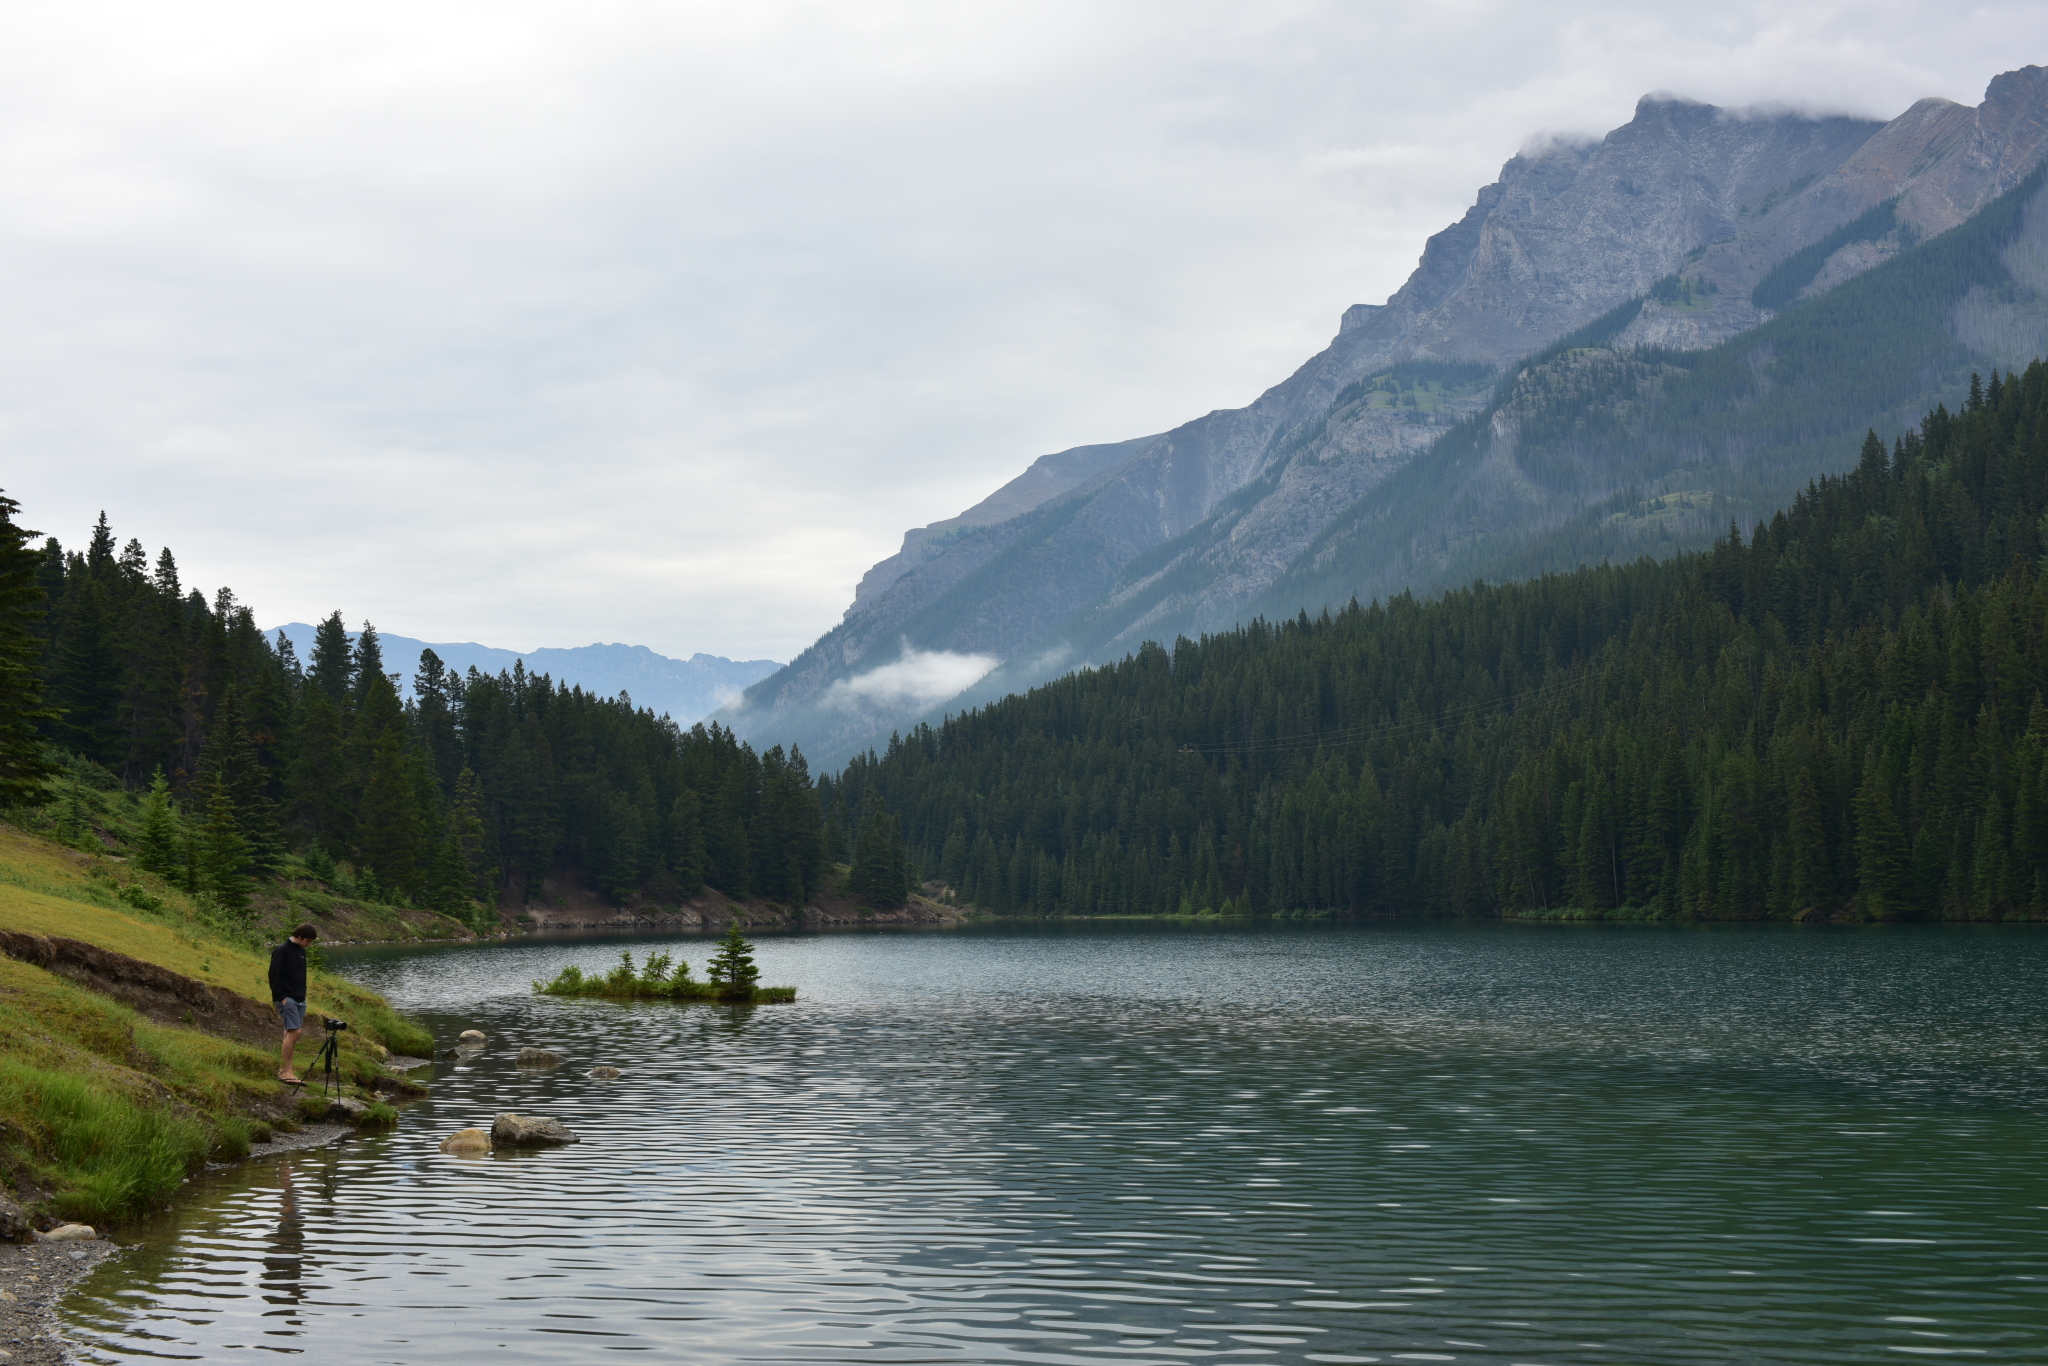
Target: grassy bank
[104, 1110]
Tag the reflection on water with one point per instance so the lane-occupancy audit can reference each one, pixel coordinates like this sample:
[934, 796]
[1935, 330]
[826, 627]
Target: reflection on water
[1488, 1143]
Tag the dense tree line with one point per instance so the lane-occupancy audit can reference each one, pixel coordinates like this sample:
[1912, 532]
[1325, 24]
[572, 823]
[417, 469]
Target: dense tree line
[1842, 713]
[455, 791]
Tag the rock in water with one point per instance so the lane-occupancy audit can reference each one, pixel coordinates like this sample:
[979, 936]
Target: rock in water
[529, 1131]
[464, 1142]
[346, 1110]
[71, 1233]
[470, 1038]
[604, 1073]
[538, 1057]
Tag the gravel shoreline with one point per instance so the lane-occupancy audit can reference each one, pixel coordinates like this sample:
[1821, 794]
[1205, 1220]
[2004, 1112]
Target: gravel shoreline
[33, 1278]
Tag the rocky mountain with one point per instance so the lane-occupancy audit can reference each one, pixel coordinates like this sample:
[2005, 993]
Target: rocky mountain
[685, 689]
[1700, 225]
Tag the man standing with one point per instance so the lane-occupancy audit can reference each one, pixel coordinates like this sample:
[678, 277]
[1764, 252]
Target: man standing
[288, 990]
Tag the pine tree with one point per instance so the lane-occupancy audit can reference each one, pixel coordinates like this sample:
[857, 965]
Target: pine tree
[880, 875]
[321, 794]
[472, 839]
[158, 847]
[686, 843]
[390, 828]
[332, 667]
[220, 855]
[1812, 876]
[368, 661]
[231, 759]
[24, 772]
[732, 968]
[1880, 847]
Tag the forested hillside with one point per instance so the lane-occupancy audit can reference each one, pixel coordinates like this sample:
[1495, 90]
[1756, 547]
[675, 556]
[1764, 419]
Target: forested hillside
[476, 785]
[1840, 714]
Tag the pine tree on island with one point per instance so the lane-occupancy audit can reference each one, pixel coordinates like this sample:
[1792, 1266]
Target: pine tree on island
[732, 969]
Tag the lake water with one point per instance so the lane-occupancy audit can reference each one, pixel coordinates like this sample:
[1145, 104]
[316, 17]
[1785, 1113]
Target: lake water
[1391, 1142]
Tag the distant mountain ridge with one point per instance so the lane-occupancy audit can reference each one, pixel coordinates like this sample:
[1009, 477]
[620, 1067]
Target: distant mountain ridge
[685, 689]
[1660, 236]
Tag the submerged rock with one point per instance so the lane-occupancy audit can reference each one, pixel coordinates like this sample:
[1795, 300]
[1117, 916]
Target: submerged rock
[470, 1038]
[539, 1057]
[466, 1141]
[71, 1233]
[529, 1131]
[603, 1073]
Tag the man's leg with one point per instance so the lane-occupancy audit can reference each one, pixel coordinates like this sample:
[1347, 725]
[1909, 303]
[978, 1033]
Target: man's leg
[284, 1065]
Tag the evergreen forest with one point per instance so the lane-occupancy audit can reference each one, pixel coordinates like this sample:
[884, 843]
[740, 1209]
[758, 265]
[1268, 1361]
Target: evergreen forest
[452, 794]
[1841, 714]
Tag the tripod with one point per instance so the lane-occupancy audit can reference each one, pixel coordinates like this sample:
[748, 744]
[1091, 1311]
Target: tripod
[327, 1061]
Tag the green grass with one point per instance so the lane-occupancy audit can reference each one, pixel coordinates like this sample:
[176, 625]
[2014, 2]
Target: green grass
[104, 1108]
[108, 1153]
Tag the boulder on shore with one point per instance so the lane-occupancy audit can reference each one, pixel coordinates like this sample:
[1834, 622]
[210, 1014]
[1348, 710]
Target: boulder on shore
[529, 1131]
[603, 1073]
[345, 1110]
[539, 1057]
[464, 1142]
[71, 1233]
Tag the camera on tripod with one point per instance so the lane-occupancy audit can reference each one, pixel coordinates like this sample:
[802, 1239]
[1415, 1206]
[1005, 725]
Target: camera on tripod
[329, 1060]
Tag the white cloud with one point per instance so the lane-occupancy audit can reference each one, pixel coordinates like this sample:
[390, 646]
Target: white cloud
[535, 321]
[920, 678]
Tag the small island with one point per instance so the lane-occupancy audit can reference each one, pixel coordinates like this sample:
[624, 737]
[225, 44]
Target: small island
[733, 978]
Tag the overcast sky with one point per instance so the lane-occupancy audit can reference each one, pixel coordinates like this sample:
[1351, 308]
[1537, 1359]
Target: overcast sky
[538, 324]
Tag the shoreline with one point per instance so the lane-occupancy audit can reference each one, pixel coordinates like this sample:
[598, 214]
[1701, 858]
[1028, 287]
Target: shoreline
[35, 1277]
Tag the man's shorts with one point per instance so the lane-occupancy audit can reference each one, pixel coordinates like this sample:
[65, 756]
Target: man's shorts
[293, 1013]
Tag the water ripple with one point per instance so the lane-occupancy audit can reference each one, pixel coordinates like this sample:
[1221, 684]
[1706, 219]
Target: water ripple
[1438, 1143]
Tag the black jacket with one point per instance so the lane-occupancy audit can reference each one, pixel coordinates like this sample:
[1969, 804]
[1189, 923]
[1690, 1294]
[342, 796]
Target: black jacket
[287, 972]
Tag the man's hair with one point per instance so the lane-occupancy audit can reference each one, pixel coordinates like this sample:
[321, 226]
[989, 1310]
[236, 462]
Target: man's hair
[306, 932]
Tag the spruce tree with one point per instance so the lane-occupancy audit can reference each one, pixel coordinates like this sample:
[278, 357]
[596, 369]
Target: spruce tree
[1813, 881]
[391, 829]
[472, 837]
[231, 759]
[158, 847]
[881, 874]
[321, 798]
[368, 661]
[24, 772]
[87, 680]
[220, 855]
[732, 968]
[686, 843]
[332, 666]
[1880, 847]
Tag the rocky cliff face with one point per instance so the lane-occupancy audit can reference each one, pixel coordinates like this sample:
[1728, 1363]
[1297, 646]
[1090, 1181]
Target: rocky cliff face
[1569, 231]
[1089, 549]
